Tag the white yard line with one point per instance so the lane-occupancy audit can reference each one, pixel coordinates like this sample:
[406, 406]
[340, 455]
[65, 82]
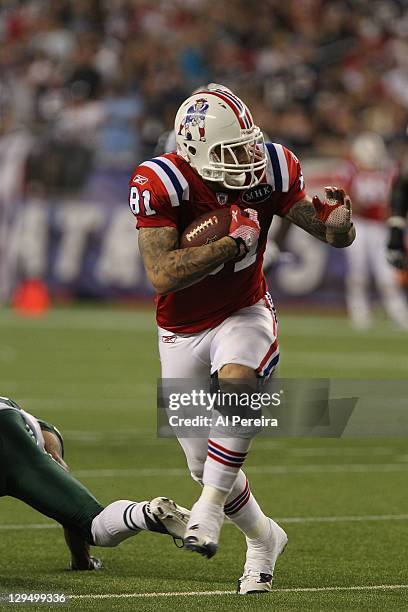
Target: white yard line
[259, 445]
[69, 320]
[28, 526]
[367, 360]
[343, 519]
[369, 587]
[283, 519]
[124, 320]
[252, 469]
[322, 451]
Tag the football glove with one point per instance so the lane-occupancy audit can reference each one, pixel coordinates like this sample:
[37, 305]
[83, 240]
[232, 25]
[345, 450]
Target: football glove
[334, 211]
[244, 228]
[92, 564]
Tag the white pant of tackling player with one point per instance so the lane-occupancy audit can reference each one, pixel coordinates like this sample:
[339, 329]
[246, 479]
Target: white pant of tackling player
[366, 257]
[248, 338]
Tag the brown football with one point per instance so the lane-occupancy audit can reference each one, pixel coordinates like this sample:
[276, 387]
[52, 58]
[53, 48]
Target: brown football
[207, 228]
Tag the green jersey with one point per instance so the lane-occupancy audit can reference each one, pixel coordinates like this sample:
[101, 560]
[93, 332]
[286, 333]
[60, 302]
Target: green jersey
[29, 473]
[32, 424]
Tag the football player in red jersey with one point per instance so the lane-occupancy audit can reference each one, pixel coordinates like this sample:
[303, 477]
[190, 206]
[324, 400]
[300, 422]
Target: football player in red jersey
[214, 312]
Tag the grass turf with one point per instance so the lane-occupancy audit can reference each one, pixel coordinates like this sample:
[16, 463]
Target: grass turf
[93, 374]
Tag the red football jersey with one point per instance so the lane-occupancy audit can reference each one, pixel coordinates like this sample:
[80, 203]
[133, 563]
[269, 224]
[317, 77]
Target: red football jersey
[369, 191]
[167, 191]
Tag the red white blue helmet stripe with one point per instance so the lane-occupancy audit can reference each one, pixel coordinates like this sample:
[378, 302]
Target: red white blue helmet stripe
[240, 109]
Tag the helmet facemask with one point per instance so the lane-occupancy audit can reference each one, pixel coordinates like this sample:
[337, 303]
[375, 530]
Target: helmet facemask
[237, 163]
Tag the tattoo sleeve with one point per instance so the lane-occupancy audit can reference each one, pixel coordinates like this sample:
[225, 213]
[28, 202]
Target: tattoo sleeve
[170, 268]
[304, 215]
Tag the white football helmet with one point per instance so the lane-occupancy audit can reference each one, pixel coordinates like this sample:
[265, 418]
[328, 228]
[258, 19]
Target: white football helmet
[216, 134]
[368, 151]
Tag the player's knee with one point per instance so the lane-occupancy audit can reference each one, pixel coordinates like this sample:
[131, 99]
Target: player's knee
[237, 371]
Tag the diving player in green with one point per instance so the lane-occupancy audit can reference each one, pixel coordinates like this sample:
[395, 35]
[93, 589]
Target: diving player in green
[32, 469]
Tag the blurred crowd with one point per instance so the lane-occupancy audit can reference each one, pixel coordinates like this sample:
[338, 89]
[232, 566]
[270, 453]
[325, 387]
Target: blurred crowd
[98, 81]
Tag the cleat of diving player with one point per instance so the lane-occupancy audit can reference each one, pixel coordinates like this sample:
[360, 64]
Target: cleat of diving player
[165, 516]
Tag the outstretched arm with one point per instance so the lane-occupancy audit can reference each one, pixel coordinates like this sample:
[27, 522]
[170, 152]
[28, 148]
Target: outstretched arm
[81, 558]
[53, 447]
[329, 221]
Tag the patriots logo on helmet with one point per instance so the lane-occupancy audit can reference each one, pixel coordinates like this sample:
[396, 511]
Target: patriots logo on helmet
[195, 117]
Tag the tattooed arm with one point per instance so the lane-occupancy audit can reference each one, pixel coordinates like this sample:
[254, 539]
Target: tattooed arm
[170, 268]
[304, 215]
[323, 221]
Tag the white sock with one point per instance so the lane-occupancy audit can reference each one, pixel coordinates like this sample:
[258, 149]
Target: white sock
[120, 520]
[208, 515]
[213, 495]
[225, 456]
[244, 511]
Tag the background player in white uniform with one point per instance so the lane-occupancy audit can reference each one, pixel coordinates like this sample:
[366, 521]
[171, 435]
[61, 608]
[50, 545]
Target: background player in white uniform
[369, 181]
[214, 312]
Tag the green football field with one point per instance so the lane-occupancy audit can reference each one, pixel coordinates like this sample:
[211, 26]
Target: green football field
[344, 503]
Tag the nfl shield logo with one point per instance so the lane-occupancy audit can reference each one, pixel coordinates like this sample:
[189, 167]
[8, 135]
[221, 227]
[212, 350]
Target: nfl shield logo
[222, 198]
